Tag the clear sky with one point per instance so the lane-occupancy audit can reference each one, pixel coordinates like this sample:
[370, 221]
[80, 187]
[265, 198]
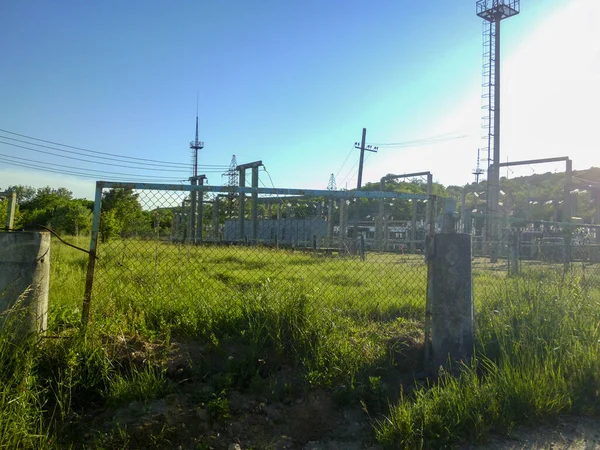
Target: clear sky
[291, 83]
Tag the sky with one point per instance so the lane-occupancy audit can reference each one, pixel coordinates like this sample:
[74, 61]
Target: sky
[291, 83]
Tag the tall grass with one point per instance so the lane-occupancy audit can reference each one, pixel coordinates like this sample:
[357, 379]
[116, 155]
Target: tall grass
[537, 356]
[339, 323]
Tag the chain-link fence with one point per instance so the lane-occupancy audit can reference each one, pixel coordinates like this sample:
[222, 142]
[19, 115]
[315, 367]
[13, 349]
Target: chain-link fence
[559, 253]
[199, 256]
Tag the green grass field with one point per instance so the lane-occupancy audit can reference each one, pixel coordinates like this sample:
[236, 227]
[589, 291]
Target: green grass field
[353, 328]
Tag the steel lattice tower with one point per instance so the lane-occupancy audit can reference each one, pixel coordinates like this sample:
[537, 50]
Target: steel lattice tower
[493, 12]
[232, 173]
[232, 181]
[331, 186]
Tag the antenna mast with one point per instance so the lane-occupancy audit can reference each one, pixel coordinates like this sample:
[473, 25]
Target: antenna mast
[196, 145]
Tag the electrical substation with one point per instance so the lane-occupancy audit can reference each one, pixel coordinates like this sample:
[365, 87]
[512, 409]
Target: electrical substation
[239, 214]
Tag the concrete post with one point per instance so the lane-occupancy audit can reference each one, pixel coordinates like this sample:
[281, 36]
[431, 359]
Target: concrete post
[25, 278]
[12, 203]
[450, 299]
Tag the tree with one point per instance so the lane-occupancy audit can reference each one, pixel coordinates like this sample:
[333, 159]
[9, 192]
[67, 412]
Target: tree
[74, 218]
[40, 208]
[122, 214]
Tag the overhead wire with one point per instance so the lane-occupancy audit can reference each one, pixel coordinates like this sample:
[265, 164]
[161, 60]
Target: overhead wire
[344, 163]
[424, 141]
[147, 160]
[4, 157]
[97, 162]
[78, 174]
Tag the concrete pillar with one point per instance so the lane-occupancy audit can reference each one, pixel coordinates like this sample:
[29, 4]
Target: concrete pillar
[450, 299]
[25, 278]
[10, 217]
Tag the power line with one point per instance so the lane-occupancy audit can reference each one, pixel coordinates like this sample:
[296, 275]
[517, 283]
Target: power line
[103, 172]
[161, 166]
[78, 174]
[95, 162]
[344, 163]
[101, 153]
[424, 141]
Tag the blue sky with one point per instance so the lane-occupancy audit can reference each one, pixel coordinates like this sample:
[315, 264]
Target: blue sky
[291, 83]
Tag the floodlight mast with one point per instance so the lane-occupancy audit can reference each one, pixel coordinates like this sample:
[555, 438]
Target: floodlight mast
[493, 12]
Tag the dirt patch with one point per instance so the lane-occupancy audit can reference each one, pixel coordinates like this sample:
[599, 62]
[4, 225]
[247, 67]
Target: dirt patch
[572, 433]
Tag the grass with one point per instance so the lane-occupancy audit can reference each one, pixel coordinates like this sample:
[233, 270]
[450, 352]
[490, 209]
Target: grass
[347, 326]
[538, 356]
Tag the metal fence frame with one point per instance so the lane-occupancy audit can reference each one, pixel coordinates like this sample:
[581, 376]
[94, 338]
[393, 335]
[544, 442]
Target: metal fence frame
[327, 194]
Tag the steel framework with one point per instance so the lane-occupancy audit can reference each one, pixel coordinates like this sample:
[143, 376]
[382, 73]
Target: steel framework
[493, 12]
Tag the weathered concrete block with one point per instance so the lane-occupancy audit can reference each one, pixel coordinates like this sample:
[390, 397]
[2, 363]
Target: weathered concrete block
[451, 302]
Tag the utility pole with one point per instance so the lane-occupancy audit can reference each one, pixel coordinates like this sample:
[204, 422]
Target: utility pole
[362, 148]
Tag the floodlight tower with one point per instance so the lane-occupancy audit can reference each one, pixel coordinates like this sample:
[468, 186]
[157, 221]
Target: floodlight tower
[493, 12]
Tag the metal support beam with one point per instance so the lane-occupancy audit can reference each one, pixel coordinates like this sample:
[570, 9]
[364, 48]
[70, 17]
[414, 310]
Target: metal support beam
[533, 161]
[242, 203]
[381, 224]
[567, 212]
[255, 205]
[193, 210]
